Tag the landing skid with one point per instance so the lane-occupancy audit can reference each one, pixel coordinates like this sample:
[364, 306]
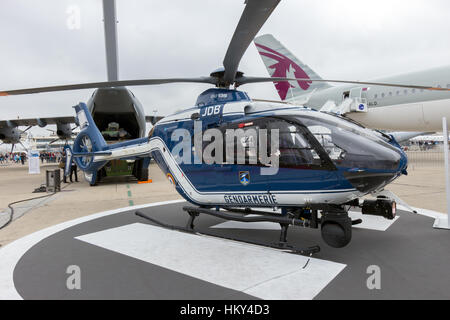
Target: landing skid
[283, 221]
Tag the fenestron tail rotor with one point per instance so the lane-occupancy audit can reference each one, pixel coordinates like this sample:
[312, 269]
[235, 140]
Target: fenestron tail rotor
[86, 146]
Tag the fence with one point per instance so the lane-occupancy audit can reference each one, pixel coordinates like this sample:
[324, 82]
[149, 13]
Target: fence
[428, 158]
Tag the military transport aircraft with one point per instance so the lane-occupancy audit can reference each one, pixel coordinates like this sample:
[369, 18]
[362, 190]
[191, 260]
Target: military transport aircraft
[11, 134]
[276, 156]
[379, 107]
[110, 104]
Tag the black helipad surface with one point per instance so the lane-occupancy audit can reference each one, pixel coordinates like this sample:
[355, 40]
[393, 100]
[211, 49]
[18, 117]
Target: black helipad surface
[413, 259]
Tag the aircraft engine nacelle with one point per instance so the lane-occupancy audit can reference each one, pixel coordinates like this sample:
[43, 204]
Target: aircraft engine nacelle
[64, 131]
[10, 135]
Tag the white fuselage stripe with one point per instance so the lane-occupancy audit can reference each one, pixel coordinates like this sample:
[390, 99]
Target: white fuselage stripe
[297, 198]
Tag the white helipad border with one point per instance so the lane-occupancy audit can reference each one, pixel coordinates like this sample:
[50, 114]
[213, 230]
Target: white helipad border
[12, 252]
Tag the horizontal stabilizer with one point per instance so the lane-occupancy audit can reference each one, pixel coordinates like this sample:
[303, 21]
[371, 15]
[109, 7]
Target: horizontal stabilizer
[92, 154]
[152, 119]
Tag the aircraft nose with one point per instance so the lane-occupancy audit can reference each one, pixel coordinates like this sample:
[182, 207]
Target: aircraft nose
[388, 166]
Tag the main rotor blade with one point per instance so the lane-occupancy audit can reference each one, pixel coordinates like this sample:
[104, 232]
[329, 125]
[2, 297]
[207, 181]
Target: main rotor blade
[247, 80]
[108, 84]
[254, 16]
[110, 24]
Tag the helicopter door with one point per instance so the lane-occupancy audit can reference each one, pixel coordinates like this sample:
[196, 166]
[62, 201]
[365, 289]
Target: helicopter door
[240, 169]
[302, 164]
[359, 96]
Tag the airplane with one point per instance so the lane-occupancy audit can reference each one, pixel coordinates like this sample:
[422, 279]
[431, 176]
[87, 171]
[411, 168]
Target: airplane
[111, 104]
[384, 108]
[276, 156]
[11, 134]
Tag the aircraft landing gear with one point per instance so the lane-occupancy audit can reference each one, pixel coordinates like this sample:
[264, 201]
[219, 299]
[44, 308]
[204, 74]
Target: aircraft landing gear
[140, 169]
[285, 222]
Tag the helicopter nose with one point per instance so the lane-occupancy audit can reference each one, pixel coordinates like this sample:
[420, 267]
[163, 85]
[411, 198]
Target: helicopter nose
[378, 173]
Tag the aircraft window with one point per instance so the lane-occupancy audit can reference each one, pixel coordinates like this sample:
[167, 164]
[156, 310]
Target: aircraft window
[323, 135]
[352, 147]
[294, 149]
[390, 93]
[413, 90]
[247, 142]
[375, 96]
[383, 95]
[398, 92]
[405, 91]
[448, 86]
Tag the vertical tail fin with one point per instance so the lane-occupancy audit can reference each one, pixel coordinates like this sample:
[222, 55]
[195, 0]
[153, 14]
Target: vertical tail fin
[88, 128]
[88, 142]
[280, 62]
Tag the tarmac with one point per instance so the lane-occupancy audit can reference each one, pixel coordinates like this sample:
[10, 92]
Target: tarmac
[122, 256]
[424, 187]
[76, 199]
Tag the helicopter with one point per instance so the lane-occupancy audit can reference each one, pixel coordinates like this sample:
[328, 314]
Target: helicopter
[249, 160]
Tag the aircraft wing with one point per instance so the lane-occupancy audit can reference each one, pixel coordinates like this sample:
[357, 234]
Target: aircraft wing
[42, 122]
[152, 119]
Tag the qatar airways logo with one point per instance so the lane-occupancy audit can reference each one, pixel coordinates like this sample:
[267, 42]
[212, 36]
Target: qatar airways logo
[285, 68]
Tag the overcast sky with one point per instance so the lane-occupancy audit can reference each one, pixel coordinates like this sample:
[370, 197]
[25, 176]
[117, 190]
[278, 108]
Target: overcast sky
[339, 39]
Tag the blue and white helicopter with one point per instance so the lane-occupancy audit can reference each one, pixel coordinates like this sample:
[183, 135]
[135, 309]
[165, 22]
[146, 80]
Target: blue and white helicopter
[296, 167]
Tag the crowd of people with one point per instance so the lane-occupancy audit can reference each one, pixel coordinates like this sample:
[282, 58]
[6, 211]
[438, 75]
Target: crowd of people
[50, 157]
[45, 157]
[21, 157]
[13, 157]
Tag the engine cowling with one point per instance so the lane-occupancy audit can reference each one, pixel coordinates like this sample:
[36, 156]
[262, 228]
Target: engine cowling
[10, 135]
[64, 131]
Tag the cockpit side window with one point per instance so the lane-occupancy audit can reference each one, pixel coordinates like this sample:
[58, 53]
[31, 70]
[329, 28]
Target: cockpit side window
[295, 150]
[244, 143]
[351, 147]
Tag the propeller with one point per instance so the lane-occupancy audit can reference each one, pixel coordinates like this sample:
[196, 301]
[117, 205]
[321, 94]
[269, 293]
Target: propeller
[29, 127]
[254, 16]
[26, 149]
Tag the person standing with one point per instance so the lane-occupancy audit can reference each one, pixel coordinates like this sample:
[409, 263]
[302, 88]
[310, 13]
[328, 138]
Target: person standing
[73, 169]
[62, 165]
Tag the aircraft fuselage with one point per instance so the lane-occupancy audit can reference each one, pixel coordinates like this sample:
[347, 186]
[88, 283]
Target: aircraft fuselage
[397, 109]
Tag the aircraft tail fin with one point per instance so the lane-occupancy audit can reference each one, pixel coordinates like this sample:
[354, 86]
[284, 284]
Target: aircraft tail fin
[88, 143]
[280, 62]
[91, 152]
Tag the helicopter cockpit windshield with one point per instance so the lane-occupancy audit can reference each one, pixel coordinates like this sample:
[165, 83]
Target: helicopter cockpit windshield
[351, 146]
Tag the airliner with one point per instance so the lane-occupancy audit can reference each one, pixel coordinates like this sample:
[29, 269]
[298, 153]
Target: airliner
[378, 107]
